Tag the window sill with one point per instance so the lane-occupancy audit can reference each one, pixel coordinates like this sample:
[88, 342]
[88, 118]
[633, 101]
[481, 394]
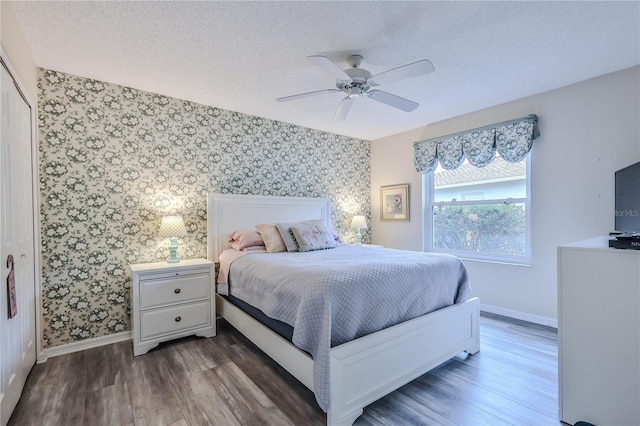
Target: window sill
[526, 264]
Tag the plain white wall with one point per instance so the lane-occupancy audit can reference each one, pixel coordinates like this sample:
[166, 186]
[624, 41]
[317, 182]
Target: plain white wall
[589, 130]
[15, 46]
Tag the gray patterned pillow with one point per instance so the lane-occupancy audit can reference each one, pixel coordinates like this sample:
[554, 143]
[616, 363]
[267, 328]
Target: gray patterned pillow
[290, 242]
[311, 236]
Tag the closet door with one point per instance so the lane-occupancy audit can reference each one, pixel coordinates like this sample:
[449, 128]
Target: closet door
[17, 333]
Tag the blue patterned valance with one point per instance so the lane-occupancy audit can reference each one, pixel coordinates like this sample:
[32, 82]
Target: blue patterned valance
[512, 139]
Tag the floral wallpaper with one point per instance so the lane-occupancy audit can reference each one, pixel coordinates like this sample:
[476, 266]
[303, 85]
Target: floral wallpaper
[114, 160]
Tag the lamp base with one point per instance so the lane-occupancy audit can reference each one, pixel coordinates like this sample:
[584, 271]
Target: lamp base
[173, 249]
[358, 238]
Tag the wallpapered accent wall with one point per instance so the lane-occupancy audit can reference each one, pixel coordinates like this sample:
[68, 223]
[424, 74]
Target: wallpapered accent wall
[114, 160]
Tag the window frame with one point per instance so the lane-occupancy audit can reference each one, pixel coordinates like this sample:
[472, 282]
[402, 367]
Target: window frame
[427, 223]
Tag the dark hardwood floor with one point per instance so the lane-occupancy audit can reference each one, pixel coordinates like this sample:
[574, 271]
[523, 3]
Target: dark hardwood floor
[226, 380]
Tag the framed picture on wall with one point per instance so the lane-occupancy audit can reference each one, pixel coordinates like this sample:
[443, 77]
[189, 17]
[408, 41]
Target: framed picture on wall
[394, 202]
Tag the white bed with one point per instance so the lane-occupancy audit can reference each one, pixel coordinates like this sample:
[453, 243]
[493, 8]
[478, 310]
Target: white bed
[362, 370]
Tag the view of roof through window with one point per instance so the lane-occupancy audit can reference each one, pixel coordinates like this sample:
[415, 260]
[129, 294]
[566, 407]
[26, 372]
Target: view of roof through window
[498, 170]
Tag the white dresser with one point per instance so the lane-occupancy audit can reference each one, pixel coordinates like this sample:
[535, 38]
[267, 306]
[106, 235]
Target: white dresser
[171, 300]
[599, 333]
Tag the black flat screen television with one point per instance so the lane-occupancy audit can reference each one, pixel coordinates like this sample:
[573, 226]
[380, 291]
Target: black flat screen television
[627, 210]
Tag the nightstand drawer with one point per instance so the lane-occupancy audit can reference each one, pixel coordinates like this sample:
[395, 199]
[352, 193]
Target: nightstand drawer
[162, 292]
[174, 319]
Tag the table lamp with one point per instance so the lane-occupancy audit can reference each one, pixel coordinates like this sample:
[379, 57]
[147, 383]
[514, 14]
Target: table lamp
[172, 226]
[358, 223]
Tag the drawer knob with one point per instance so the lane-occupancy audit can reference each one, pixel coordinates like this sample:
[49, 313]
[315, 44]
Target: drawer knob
[176, 291]
[178, 319]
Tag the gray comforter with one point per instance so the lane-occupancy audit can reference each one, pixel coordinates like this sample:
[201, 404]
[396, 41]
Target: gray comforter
[333, 296]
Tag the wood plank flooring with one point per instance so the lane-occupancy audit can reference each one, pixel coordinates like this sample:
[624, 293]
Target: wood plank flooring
[226, 380]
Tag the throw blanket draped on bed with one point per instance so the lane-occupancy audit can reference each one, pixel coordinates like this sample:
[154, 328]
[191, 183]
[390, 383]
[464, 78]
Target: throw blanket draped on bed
[333, 296]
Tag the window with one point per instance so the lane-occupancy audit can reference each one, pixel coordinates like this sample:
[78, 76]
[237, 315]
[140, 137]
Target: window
[480, 213]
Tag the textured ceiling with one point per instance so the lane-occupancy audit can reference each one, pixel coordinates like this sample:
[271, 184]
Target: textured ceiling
[241, 56]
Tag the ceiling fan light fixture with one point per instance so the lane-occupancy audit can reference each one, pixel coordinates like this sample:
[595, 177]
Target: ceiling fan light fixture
[355, 92]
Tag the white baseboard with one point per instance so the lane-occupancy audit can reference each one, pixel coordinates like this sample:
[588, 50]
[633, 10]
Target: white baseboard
[536, 319]
[126, 335]
[41, 357]
[86, 344]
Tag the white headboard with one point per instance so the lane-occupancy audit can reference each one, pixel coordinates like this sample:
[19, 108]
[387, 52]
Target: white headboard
[227, 213]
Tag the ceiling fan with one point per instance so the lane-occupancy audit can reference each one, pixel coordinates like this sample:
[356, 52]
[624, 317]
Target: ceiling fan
[357, 82]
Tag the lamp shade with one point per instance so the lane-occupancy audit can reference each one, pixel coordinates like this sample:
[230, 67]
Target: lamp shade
[172, 226]
[358, 222]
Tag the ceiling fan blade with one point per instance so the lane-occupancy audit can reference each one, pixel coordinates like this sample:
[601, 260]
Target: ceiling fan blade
[343, 109]
[406, 71]
[329, 66]
[307, 94]
[393, 100]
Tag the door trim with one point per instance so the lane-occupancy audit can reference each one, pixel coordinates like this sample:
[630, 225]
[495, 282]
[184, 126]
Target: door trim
[35, 189]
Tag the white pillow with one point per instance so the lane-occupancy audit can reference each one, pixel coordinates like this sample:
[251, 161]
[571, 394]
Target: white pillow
[287, 238]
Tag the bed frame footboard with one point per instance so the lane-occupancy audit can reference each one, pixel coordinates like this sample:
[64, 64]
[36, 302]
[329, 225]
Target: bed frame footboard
[364, 370]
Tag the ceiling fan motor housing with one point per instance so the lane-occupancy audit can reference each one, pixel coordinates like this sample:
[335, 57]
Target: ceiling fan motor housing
[358, 75]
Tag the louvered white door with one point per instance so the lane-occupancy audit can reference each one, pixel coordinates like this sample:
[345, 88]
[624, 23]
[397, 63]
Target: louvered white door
[17, 334]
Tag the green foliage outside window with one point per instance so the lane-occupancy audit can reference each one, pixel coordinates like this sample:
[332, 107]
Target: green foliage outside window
[480, 228]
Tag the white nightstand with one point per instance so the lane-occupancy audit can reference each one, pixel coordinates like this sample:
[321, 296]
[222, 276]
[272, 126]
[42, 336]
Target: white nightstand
[171, 300]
